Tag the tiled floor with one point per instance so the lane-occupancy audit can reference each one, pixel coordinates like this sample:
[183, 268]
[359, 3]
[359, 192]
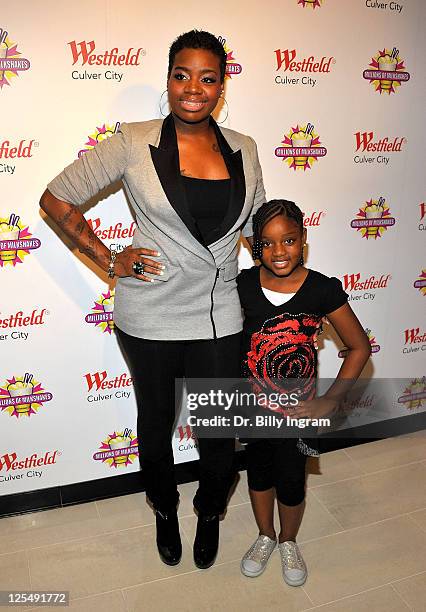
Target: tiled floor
[363, 538]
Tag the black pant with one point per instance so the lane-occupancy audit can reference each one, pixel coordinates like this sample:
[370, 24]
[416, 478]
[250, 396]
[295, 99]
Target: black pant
[155, 364]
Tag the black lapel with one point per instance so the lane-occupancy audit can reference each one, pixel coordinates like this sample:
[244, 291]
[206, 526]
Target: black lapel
[237, 195]
[166, 162]
[165, 158]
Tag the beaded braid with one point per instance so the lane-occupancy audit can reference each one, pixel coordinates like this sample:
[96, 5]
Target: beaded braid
[268, 211]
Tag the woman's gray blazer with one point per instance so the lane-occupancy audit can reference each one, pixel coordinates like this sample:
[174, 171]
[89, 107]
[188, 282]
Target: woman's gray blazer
[197, 295]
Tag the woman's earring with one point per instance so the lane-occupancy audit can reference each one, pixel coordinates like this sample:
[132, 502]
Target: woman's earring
[222, 97]
[160, 104]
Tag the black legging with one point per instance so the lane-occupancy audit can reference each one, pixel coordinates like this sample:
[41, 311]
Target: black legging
[280, 464]
[155, 364]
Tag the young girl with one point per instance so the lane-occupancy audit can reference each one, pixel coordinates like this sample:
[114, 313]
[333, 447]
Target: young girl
[284, 304]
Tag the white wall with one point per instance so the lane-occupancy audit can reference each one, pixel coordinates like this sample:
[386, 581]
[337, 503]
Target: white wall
[54, 114]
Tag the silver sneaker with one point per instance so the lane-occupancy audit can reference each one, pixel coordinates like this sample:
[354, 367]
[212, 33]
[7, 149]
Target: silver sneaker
[292, 563]
[256, 558]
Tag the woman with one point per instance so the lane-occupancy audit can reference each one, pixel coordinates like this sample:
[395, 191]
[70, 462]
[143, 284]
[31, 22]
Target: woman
[193, 187]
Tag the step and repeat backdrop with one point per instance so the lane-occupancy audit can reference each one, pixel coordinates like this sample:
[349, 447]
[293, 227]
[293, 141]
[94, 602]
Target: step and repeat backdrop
[332, 91]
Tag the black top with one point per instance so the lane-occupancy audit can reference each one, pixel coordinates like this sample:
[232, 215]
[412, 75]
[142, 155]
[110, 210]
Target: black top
[208, 202]
[278, 341]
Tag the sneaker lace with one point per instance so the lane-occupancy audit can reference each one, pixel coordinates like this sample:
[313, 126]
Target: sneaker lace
[291, 556]
[260, 550]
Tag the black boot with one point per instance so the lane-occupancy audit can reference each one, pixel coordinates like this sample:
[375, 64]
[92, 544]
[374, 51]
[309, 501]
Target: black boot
[206, 540]
[168, 538]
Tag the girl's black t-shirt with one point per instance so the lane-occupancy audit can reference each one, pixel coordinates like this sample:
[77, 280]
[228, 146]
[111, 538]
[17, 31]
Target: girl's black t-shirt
[279, 341]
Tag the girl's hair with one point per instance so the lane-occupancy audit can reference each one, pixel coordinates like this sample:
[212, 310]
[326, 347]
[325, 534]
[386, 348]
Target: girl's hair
[198, 39]
[268, 211]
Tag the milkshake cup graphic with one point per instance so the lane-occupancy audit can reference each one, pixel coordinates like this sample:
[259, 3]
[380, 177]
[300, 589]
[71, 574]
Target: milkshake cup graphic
[9, 231]
[108, 305]
[118, 443]
[388, 63]
[3, 50]
[20, 389]
[374, 211]
[107, 133]
[302, 140]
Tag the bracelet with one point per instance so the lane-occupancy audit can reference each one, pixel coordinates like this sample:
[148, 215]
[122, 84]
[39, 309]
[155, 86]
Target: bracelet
[113, 257]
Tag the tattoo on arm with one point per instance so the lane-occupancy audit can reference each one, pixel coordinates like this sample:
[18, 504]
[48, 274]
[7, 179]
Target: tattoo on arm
[64, 219]
[185, 173]
[90, 248]
[80, 227]
[215, 148]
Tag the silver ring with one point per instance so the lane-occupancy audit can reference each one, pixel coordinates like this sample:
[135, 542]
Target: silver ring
[138, 267]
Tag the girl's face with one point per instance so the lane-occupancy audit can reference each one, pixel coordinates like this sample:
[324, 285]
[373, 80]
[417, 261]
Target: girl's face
[282, 242]
[194, 84]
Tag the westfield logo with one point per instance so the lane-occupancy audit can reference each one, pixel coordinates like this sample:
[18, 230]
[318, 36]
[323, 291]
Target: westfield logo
[365, 141]
[100, 380]
[18, 150]
[115, 232]
[353, 282]
[9, 460]
[413, 336]
[86, 52]
[288, 60]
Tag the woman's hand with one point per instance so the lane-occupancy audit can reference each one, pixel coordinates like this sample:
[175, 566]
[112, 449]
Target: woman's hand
[315, 409]
[129, 256]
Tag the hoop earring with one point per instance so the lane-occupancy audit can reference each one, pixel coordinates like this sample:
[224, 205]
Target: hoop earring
[227, 109]
[160, 104]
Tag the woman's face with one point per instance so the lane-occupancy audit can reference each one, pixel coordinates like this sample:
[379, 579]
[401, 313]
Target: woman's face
[194, 85]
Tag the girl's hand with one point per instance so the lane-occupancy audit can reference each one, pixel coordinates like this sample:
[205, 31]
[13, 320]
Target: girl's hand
[316, 408]
[126, 258]
[319, 331]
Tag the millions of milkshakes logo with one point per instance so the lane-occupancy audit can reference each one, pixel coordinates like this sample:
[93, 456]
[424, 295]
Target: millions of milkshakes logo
[23, 396]
[118, 450]
[313, 4]
[373, 219]
[301, 147]
[11, 62]
[420, 283]
[375, 348]
[102, 314]
[414, 395]
[101, 133]
[371, 149]
[232, 66]
[16, 241]
[387, 72]
[84, 53]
